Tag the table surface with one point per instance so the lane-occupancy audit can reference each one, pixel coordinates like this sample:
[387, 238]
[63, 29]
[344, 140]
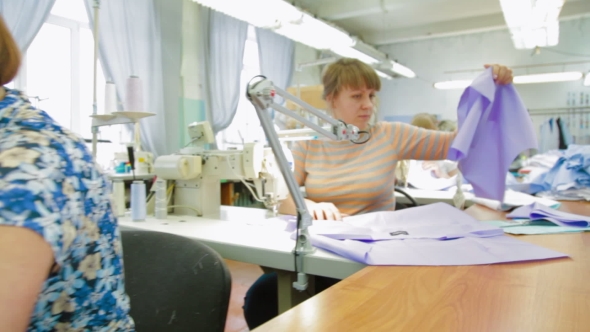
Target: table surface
[552, 295]
[249, 235]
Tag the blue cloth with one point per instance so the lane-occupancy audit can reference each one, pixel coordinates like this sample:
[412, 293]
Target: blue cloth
[571, 171]
[494, 127]
[51, 185]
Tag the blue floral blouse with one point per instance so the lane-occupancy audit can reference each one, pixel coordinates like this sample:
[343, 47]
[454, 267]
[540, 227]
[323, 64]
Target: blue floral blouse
[50, 184]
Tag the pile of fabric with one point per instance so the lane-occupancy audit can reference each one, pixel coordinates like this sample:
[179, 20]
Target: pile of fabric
[568, 178]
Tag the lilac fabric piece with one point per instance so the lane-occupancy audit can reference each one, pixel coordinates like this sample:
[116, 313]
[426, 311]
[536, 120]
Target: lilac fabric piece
[494, 127]
[436, 234]
[438, 221]
[539, 211]
[463, 251]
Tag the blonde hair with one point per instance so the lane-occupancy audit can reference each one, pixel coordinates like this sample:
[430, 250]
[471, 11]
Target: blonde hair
[9, 54]
[424, 120]
[349, 73]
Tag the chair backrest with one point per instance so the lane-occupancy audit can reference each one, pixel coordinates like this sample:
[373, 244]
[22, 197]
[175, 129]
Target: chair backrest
[174, 283]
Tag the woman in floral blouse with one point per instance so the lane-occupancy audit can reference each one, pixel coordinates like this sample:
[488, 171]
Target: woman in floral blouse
[61, 266]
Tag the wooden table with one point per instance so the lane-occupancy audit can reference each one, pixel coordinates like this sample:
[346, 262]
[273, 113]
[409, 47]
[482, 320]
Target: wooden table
[551, 295]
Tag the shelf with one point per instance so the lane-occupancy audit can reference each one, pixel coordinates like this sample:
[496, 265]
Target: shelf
[118, 118]
[103, 117]
[134, 115]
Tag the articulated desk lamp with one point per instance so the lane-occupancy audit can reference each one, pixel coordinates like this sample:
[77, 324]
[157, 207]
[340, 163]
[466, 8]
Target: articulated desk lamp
[261, 93]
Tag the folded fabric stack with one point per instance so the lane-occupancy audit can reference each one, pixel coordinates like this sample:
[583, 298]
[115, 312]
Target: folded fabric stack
[538, 211]
[435, 234]
[541, 219]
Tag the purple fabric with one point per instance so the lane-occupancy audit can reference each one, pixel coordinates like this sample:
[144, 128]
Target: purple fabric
[494, 127]
[438, 221]
[463, 251]
[539, 211]
[436, 234]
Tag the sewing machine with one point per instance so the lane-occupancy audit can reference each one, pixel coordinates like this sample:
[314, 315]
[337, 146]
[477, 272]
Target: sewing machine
[197, 173]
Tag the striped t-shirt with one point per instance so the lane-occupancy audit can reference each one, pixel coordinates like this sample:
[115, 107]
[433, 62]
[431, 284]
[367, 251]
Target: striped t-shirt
[359, 178]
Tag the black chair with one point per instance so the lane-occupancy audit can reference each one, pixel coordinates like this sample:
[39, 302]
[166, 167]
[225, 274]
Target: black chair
[408, 196]
[174, 283]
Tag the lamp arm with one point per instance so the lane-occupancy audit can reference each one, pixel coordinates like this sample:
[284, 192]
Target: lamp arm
[261, 92]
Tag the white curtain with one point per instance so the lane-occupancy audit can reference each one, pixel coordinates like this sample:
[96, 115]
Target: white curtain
[24, 18]
[222, 65]
[130, 45]
[277, 58]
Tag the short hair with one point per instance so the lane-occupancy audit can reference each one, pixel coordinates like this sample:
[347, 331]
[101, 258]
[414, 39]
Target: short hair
[10, 56]
[424, 120]
[351, 73]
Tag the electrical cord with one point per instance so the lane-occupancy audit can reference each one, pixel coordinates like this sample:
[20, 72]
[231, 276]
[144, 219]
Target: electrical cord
[241, 178]
[194, 139]
[186, 207]
[365, 141]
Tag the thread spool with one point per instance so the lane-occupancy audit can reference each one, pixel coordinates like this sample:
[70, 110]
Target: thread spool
[161, 208]
[177, 167]
[119, 198]
[134, 95]
[138, 204]
[110, 98]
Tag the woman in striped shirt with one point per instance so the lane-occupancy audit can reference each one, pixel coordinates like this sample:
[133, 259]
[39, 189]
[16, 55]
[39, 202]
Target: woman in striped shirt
[343, 178]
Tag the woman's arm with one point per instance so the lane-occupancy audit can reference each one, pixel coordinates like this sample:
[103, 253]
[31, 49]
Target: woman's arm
[25, 262]
[318, 211]
[420, 144]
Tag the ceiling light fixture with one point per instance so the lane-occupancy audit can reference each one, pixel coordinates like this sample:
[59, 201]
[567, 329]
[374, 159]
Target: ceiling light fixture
[548, 77]
[522, 79]
[587, 79]
[383, 75]
[350, 52]
[390, 66]
[532, 23]
[295, 24]
[451, 85]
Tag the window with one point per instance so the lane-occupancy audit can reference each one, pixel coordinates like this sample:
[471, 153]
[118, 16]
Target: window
[58, 76]
[245, 126]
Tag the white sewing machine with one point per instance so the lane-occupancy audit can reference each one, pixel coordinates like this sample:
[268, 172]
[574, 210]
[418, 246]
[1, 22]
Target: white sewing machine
[197, 173]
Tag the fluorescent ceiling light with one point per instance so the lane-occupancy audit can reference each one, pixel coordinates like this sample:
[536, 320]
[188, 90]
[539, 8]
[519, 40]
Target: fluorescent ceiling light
[587, 79]
[402, 70]
[349, 52]
[532, 23]
[384, 75]
[315, 33]
[397, 68]
[287, 20]
[548, 77]
[450, 85]
[523, 79]
[260, 13]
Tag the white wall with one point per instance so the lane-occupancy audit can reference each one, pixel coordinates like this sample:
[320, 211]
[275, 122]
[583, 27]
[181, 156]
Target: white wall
[430, 59]
[308, 75]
